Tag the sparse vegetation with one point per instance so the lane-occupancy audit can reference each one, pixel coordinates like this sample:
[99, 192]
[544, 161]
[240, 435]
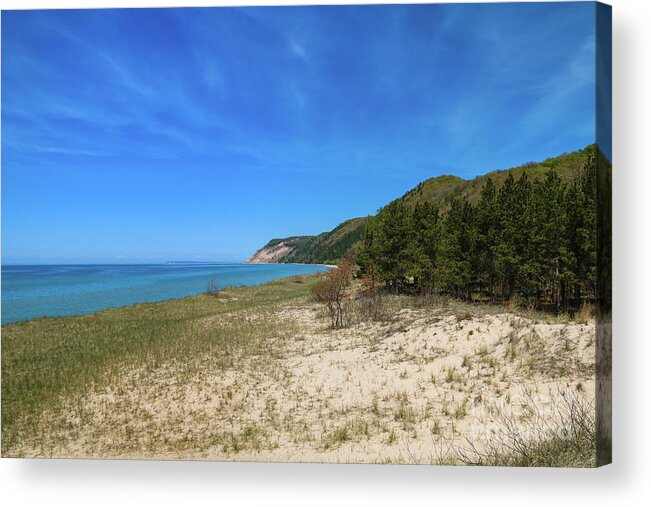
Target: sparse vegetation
[45, 361]
[565, 438]
[214, 288]
[370, 305]
[333, 291]
[584, 313]
[253, 375]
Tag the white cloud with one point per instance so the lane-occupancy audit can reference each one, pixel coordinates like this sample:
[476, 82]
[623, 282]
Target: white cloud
[298, 50]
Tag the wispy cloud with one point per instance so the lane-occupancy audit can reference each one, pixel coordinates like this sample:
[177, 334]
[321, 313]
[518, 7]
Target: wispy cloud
[298, 50]
[216, 110]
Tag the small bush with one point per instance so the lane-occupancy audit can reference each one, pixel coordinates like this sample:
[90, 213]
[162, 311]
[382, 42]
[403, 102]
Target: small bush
[584, 314]
[371, 304]
[333, 290]
[372, 308]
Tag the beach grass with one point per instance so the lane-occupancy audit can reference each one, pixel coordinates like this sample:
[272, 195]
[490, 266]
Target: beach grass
[258, 373]
[47, 360]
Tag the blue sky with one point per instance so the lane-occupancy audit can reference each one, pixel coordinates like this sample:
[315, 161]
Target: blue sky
[193, 134]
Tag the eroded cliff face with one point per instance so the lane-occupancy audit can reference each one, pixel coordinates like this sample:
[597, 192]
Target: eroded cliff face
[269, 255]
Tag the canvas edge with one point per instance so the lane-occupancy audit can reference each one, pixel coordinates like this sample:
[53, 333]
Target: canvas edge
[603, 133]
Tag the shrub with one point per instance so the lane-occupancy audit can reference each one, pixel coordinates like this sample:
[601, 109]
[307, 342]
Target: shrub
[371, 303]
[584, 313]
[332, 291]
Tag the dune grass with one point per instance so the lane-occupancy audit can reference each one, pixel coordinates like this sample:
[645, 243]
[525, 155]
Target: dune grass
[245, 372]
[46, 360]
[567, 440]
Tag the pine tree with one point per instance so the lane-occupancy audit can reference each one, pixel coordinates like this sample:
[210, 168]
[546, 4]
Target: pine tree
[457, 244]
[547, 264]
[535, 241]
[425, 224]
[394, 251]
[487, 238]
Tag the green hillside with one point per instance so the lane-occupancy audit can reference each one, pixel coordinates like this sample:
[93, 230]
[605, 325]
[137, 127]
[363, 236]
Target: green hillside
[443, 189]
[330, 247]
[326, 248]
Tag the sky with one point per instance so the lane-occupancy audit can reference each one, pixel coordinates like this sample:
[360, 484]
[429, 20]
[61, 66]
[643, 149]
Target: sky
[152, 135]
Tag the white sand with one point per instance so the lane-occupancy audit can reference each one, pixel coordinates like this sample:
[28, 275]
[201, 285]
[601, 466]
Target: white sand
[396, 392]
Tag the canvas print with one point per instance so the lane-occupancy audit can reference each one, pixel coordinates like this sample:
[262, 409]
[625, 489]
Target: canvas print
[337, 234]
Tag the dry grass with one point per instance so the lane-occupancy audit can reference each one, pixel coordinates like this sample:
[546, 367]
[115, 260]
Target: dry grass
[46, 362]
[258, 374]
[584, 314]
[563, 438]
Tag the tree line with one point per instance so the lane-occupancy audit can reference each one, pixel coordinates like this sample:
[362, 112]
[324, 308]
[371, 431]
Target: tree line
[530, 240]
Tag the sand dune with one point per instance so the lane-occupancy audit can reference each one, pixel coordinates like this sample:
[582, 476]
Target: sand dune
[417, 389]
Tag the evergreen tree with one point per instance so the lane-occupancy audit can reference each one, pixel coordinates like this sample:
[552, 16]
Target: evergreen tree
[457, 244]
[487, 238]
[393, 244]
[425, 225]
[535, 241]
[547, 264]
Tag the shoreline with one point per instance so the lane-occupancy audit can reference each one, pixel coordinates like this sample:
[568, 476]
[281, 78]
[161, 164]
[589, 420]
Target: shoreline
[287, 264]
[257, 374]
[109, 308]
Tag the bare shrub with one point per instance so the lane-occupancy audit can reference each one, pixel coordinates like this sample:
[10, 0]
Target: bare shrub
[371, 302]
[372, 308]
[333, 290]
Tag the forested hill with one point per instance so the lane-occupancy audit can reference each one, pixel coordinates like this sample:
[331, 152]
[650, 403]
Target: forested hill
[442, 190]
[330, 247]
[326, 248]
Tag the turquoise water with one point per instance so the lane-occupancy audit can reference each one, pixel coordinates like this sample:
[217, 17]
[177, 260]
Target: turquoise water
[52, 291]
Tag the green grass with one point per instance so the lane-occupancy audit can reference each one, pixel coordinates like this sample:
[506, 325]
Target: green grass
[46, 360]
[571, 451]
[574, 452]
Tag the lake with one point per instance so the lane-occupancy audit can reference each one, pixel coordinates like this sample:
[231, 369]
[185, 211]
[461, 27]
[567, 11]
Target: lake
[52, 291]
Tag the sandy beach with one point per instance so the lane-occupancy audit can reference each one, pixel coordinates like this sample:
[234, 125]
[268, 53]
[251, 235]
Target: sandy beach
[432, 384]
